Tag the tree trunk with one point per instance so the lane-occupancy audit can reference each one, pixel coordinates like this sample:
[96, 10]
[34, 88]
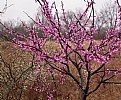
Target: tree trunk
[83, 96]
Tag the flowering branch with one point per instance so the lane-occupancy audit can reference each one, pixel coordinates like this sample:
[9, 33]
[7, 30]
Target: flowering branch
[77, 49]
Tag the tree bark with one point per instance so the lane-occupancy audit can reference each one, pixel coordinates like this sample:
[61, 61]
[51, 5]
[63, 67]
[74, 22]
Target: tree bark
[83, 96]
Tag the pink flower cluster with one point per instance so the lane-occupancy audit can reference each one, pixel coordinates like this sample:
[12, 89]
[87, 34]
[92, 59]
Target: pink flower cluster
[73, 41]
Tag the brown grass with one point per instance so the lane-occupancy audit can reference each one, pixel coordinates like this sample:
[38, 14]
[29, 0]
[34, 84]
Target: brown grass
[68, 90]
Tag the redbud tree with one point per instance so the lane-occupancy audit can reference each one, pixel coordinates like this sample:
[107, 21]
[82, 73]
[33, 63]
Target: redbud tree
[77, 49]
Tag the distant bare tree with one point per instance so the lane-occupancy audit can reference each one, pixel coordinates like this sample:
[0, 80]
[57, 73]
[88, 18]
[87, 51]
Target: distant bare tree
[107, 17]
[14, 72]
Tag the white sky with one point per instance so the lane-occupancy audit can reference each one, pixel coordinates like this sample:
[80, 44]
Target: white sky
[15, 12]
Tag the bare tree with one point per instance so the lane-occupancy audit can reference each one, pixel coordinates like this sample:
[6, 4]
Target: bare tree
[107, 17]
[14, 72]
[6, 6]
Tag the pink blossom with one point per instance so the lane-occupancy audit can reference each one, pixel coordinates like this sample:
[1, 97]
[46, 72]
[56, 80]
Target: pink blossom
[107, 71]
[37, 71]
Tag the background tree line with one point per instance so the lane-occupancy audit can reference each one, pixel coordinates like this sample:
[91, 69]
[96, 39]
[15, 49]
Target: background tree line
[106, 18]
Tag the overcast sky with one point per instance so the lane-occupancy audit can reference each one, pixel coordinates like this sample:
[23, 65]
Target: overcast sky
[15, 12]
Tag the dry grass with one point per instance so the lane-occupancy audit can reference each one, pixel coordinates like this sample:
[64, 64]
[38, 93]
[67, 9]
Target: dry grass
[68, 90]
